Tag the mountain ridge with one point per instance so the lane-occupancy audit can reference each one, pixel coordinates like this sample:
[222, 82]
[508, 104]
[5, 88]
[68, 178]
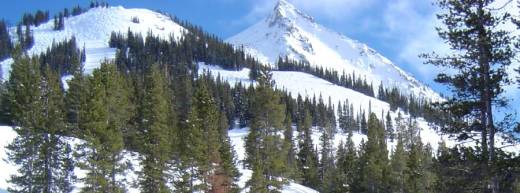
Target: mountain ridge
[287, 31]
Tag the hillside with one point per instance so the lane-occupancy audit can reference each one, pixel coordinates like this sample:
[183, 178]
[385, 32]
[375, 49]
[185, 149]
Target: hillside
[92, 31]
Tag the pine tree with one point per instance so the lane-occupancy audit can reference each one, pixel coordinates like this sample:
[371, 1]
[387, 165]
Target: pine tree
[35, 103]
[288, 147]
[75, 101]
[376, 169]
[346, 166]
[28, 40]
[5, 41]
[482, 50]
[326, 167]
[390, 133]
[108, 110]
[398, 167]
[156, 131]
[307, 156]
[267, 121]
[229, 171]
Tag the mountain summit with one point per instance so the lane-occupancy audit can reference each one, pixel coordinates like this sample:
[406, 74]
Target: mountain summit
[288, 31]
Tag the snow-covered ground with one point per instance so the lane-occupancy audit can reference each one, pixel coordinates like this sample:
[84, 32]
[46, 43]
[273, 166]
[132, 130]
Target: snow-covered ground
[92, 30]
[288, 31]
[8, 135]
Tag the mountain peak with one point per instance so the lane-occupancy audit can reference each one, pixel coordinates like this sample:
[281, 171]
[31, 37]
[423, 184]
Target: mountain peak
[284, 12]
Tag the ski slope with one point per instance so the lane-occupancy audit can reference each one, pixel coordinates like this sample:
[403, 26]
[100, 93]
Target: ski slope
[92, 30]
[289, 32]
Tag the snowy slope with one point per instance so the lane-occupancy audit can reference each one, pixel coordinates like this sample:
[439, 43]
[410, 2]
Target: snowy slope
[8, 169]
[92, 30]
[289, 32]
[308, 85]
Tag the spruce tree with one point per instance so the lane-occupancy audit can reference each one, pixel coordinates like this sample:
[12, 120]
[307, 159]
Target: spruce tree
[481, 51]
[107, 113]
[376, 170]
[307, 156]
[289, 149]
[156, 131]
[25, 106]
[398, 167]
[326, 167]
[5, 41]
[346, 166]
[266, 156]
[75, 101]
[35, 103]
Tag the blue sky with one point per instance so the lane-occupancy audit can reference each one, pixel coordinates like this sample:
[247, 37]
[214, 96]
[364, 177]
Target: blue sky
[399, 29]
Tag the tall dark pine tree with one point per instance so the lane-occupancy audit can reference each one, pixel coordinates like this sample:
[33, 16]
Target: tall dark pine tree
[156, 131]
[481, 53]
[307, 156]
[264, 144]
[107, 113]
[376, 169]
[35, 103]
[346, 165]
[5, 41]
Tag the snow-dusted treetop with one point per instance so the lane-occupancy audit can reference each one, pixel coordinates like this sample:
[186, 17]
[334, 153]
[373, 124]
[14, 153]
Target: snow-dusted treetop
[287, 31]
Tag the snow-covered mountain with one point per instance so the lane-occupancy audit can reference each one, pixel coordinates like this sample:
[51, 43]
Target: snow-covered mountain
[92, 30]
[288, 31]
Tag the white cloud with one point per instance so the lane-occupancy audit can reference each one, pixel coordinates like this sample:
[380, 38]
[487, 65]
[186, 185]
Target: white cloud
[410, 26]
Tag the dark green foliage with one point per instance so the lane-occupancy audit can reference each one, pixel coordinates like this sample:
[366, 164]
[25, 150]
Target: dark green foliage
[157, 133]
[38, 18]
[107, 113]
[345, 179]
[64, 57]
[345, 79]
[25, 38]
[5, 41]
[59, 22]
[307, 155]
[376, 168]
[35, 101]
[264, 145]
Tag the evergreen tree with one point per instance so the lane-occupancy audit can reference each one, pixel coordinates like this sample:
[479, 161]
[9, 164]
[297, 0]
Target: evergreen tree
[390, 133]
[156, 131]
[418, 175]
[266, 156]
[346, 166]
[289, 149]
[35, 103]
[481, 52]
[307, 156]
[398, 167]
[28, 39]
[376, 171]
[229, 173]
[75, 101]
[5, 41]
[107, 113]
[326, 167]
